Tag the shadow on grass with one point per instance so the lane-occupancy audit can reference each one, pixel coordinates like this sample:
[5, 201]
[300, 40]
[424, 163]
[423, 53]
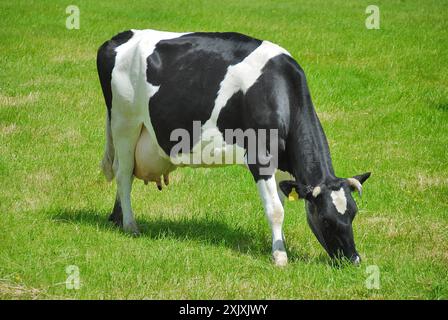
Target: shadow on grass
[202, 230]
[443, 106]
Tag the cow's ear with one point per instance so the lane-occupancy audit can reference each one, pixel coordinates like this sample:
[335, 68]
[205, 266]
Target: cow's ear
[362, 177]
[288, 186]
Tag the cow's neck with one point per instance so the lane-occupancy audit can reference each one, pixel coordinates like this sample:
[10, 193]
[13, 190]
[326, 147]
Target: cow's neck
[310, 158]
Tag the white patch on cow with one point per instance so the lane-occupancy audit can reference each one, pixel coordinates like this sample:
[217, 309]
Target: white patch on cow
[339, 200]
[131, 64]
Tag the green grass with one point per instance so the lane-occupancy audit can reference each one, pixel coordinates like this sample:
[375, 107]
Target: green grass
[382, 96]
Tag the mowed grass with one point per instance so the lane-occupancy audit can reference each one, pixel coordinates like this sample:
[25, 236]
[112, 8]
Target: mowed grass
[382, 96]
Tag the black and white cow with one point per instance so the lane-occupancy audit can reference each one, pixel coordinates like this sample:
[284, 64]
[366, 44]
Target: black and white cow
[155, 83]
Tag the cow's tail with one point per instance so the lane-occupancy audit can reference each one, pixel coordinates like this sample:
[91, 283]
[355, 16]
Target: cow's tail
[109, 153]
[105, 63]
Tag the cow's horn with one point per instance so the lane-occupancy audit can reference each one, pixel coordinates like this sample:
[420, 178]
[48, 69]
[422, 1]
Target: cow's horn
[355, 184]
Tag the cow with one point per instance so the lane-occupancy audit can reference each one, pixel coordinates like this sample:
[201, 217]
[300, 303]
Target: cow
[156, 83]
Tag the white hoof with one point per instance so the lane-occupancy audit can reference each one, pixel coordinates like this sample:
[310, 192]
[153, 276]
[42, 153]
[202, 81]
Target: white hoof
[280, 258]
[131, 228]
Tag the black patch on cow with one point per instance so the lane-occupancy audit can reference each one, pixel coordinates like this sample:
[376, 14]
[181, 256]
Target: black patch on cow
[105, 63]
[189, 70]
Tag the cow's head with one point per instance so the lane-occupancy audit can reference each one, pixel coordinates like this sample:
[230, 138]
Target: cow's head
[330, 211]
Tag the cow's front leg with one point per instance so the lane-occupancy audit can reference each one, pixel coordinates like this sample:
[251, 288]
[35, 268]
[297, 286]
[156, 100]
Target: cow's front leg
[275, 214]
[280, 176]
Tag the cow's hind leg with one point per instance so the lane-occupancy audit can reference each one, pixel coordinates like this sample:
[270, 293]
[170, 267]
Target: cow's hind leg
[117, 213]
[274, 211]
[125, 141]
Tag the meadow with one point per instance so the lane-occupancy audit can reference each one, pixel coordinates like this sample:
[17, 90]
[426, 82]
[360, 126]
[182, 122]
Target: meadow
[382, 97]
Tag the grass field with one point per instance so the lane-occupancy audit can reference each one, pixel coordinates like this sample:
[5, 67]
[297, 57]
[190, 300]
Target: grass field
[382, 96]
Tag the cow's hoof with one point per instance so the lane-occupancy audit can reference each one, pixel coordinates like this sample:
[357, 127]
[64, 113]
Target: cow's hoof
[131, 228]
[280, 258]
